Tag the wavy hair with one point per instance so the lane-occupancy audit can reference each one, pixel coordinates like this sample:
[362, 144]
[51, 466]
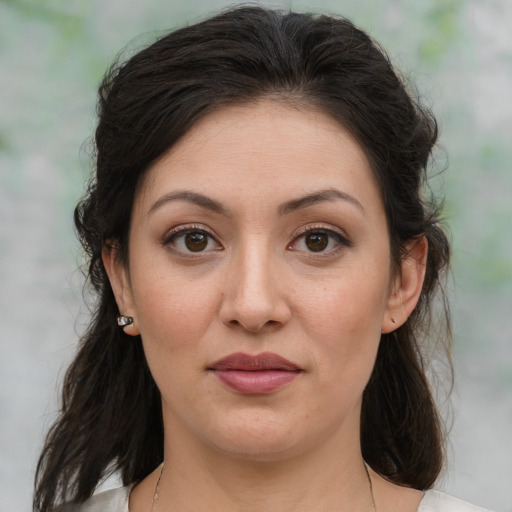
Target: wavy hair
[111, 417]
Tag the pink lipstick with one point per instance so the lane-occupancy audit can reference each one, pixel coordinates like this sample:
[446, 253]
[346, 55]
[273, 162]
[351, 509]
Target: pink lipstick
[261, 374]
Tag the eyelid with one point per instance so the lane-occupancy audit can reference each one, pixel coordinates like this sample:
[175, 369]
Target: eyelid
[328, 228]
[183, 229]
[325, 228]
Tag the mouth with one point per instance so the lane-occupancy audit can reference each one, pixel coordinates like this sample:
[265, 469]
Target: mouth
[260, 374]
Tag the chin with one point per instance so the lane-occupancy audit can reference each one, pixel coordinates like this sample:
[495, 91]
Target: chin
[252, 450]
[263, 439]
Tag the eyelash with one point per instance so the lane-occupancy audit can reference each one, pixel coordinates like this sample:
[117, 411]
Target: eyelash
[324, 230]
[182, 231]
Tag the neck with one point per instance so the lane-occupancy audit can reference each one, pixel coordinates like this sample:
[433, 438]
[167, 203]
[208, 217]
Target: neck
[314, 480]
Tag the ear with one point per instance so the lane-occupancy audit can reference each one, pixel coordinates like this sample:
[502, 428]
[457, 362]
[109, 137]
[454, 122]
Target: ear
[119, 278]
[407, 287]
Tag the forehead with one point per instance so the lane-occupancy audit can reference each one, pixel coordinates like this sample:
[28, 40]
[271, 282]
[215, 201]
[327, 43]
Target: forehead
[263, 151]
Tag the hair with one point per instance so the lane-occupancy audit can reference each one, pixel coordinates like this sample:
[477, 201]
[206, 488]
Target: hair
[111, 417]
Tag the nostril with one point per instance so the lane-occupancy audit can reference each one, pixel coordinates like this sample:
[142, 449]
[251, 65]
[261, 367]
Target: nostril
[252, 312]
[269, 325]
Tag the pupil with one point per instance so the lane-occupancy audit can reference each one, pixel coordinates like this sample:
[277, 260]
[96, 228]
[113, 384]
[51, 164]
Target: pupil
[317, 241]
[196, 242]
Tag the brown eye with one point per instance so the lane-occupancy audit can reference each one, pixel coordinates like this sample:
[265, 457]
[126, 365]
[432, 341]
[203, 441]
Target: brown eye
[319, 240]
[196, 241]
[316, 242]
[191, 240]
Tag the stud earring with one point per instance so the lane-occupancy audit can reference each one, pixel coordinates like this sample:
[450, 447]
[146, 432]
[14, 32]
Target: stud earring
[123, 321]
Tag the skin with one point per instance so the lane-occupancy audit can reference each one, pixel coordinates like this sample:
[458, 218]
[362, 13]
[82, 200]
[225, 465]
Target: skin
[258, 287]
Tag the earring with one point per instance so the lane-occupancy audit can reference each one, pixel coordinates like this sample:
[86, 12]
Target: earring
[123, 321]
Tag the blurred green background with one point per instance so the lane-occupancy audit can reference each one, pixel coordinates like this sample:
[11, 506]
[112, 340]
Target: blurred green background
[53, 54]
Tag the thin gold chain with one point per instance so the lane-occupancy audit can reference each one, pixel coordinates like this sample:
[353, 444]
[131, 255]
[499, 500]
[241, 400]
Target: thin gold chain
[157, 489]
[374, 508]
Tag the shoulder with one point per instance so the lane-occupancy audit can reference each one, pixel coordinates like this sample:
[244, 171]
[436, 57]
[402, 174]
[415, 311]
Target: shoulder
[114, 500]
[435, 501]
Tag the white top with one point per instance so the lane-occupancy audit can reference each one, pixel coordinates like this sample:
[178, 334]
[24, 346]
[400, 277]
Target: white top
[116, 500]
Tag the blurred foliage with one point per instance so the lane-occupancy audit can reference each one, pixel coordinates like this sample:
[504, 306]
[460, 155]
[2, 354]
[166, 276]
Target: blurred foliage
[4, 144]
[443, 17]
[53, 11]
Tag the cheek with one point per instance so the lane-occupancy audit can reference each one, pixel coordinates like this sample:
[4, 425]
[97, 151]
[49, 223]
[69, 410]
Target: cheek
[174, 312]
[174, 319]
[349, 304]
[343, 322]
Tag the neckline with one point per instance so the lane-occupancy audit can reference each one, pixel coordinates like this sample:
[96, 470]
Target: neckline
[127, 490]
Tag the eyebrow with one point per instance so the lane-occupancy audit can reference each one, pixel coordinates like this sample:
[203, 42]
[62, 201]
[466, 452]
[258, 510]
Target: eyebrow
[191, 197]
[330, 194]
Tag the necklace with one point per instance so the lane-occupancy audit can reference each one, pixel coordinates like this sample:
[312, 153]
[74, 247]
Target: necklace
[157, 489]
[374, 508]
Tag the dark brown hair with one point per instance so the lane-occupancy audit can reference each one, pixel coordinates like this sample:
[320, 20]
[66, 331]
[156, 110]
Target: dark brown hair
[111, 413]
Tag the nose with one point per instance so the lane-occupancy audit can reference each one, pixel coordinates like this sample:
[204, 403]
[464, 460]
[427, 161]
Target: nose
[254, 297]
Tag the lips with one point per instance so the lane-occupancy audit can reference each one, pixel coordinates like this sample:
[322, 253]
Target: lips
[255, 375]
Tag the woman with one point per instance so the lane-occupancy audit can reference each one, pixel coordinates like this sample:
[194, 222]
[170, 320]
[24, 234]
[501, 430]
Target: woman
[256, 225]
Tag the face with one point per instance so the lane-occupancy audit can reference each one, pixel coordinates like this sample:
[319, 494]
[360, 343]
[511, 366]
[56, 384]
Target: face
[259, 279]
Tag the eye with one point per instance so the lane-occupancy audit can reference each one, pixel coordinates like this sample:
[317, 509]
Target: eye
[191, 240]
[318, 240]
